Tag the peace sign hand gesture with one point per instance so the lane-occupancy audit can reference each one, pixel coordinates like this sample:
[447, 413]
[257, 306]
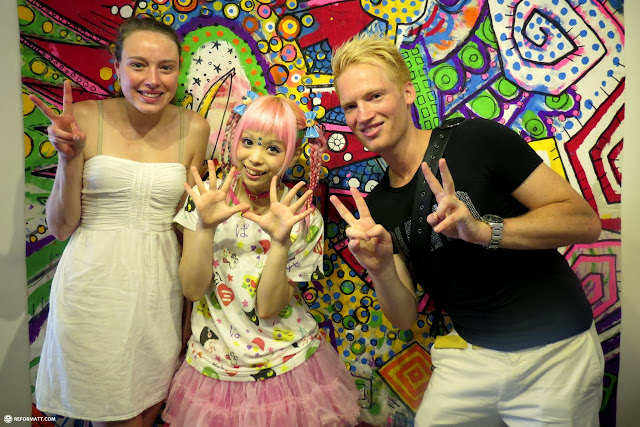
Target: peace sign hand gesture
[452, 217]
[211, 202]
[64, 133]
[369, 242]
[282, 216]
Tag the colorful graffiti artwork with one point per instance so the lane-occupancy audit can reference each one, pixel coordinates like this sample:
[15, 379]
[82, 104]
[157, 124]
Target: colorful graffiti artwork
[552, 70]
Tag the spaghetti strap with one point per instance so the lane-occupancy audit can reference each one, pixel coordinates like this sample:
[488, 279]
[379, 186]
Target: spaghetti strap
[181, 133]
[99, 126]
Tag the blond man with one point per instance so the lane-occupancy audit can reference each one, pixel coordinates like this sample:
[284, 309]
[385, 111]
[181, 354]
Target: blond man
[524, 349]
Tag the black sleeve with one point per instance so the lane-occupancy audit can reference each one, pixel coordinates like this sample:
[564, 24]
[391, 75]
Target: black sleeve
[509, 159]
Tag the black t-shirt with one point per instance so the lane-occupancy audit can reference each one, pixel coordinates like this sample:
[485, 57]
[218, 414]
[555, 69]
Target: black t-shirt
[504, 299]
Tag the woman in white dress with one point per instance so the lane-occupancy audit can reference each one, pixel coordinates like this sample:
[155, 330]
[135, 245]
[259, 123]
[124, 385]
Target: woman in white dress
[113, 332]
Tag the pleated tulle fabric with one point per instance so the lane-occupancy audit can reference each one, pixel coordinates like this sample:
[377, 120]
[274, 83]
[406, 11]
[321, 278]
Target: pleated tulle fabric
[320, 392]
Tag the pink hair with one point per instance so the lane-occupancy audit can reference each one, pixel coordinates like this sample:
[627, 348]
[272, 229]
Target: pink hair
[274, 115]
[282, 118]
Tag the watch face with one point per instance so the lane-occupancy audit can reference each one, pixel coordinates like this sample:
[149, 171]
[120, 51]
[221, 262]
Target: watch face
[492, 218]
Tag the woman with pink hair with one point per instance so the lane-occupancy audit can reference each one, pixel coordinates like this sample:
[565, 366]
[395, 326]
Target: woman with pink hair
[256, 356]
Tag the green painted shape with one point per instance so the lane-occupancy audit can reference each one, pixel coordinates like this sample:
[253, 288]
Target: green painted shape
[39, 297]
[319, 318]
[426, 98]
[485, 105]
[349, 322]
[286, 312]
[471, 56]
[34, 362]
[562, 102]
[43, 258]
[214, 300]
[310, 351]
[347, 287]
[358, 348]
[486, 34]
[210, 373]
[506, 89]
[444, 76]
[405, 335]
[375, 323]
[313, 233]
[375, 409]
[533, 125]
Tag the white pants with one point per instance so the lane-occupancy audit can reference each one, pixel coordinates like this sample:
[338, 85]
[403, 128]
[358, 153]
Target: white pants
[559, 384]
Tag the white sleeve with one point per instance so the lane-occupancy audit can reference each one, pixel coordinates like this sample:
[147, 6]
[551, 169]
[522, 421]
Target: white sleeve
[188, 215]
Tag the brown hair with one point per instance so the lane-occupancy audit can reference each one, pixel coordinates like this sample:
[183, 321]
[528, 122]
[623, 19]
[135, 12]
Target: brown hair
[133, 25]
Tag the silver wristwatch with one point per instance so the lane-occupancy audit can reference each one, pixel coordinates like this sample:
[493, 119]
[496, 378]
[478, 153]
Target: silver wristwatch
[496, 224]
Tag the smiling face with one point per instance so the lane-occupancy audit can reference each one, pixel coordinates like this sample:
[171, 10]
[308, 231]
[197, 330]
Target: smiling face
[148, 70]
[259, 157]
[375, 107]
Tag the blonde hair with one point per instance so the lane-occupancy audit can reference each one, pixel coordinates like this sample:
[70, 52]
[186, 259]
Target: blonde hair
[371, 49]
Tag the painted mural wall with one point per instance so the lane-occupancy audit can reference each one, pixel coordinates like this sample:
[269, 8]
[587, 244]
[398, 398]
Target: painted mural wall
[552, 70]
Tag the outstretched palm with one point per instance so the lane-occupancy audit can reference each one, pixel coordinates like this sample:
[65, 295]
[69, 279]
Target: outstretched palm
[282, 216]
[210, 201]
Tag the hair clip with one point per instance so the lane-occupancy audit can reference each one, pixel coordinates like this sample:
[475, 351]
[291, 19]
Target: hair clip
[311, 123]
[246, 100]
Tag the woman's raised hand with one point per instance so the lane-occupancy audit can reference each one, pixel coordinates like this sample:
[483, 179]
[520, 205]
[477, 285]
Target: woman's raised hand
[64, 133]
[282, 216]
[211, 202]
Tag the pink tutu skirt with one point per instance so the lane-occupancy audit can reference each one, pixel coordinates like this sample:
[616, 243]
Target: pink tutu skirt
[320, 392]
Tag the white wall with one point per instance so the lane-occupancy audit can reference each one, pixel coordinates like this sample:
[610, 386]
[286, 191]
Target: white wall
[15, 391]
[15, 396]
[629, 379]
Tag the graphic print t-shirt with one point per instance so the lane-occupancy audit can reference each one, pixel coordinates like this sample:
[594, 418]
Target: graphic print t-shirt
[229, 341]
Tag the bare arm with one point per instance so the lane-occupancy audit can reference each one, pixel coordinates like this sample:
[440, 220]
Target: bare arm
[196, 147]
[63, 207]
[197, 252]
[274, 289]
[195, 266]
[557, 216]
[371, 245]
[396, 293]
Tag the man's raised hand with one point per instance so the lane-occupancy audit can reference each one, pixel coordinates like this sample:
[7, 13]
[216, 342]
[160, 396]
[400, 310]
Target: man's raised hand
[369, 242]
[452, 217]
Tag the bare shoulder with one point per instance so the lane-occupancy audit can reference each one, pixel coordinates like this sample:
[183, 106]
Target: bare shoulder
[83, 108]
[86, 113]
[196, 123]
[197, 131]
